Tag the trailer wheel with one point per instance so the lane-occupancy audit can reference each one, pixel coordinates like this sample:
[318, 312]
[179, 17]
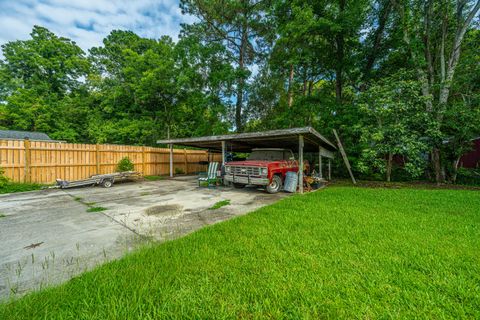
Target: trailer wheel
[107, 183]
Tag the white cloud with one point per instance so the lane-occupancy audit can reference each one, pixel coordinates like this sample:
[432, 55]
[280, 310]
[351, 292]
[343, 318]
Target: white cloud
[87, 22]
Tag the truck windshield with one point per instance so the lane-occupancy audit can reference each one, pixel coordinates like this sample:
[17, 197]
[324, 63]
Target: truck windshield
[269, 155]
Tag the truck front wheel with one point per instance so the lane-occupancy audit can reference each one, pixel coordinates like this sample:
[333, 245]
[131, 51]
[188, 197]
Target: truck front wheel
[275, 185]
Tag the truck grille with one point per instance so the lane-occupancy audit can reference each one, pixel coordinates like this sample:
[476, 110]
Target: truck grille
[245, 171]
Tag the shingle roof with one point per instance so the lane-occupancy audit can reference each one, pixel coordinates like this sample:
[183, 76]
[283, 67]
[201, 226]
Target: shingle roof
[12, 134]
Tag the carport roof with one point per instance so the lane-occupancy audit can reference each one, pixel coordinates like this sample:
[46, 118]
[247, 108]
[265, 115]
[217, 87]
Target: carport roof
[284, 138]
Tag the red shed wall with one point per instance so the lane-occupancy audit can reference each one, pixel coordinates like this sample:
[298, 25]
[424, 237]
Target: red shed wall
[472, 159]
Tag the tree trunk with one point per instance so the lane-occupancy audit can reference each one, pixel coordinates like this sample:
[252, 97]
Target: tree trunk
[372, 54]
[437, 165]
[339, 70]
[340, 43]
[240, 84]
[389, 166]
[456, 162]
[290, 86]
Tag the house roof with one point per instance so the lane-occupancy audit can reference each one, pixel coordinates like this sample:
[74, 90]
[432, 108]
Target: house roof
[20, 135]
[284, 138]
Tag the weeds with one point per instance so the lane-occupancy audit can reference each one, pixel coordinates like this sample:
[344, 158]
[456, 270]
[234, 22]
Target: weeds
[96, 209]
[219, 204]
[153, 178]
[11, 187]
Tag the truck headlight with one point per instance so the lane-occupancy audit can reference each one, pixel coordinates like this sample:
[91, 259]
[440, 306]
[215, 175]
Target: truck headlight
[264, 171]
[227, 169]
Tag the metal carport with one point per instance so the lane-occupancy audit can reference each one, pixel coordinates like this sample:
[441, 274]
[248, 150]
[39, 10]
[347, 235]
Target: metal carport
[304, 139]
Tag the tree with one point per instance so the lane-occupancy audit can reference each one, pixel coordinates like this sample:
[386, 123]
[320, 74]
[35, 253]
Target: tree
[240, 27]
[393, 116]
[39, 78]
[149, 89]
[320, 37]
[461, 123]
[433, 33]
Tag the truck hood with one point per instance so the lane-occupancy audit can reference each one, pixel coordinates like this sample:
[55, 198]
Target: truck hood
[252, 163]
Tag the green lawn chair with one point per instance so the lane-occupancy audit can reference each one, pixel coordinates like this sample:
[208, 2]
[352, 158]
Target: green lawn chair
[209, 178]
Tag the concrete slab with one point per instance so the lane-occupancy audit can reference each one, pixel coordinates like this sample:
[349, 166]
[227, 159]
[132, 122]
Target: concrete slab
[68, 240]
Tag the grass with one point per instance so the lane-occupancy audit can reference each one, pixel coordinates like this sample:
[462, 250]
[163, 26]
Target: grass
[340, 252]
[153, 178]
[2, 215]
[220, 204]
[96, 209]
[11, 187]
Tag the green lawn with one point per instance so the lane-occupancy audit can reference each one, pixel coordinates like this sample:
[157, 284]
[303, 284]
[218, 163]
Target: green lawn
[340, 252]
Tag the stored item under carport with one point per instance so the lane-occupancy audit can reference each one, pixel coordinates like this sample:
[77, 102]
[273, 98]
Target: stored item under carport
[105, 180]
[291, 182]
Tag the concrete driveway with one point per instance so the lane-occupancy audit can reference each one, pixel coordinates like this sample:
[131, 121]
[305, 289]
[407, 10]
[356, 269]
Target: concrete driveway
[48, 236]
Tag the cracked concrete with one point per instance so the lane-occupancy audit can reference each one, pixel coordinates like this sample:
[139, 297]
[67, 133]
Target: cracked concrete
[71, 240]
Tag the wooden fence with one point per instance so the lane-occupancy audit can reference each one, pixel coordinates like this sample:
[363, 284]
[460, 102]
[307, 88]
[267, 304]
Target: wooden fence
[43, 162]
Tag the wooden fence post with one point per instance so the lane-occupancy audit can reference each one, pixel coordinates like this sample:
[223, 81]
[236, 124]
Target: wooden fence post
[143, 160]
[28, 158]
[97, 157]
[186, 160]
[171, 160]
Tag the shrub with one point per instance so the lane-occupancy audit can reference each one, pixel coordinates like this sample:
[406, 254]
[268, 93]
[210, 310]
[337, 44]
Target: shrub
[468, 176]
[3, 179]
[125, 165]
[179, 171]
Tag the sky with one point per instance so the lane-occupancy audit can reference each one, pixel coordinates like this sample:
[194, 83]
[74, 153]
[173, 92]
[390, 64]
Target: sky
[87, 22]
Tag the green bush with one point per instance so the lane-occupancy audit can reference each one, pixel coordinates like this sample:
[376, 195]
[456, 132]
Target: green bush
[468, 176]
[179, 171]
[3, 179]
[7, 186]
[125, 165]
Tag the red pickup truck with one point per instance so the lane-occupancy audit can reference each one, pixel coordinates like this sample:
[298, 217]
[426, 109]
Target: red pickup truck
[264, 167]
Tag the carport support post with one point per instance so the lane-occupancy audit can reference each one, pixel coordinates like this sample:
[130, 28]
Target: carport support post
[223, 153]
[300, 163]
[171, 160]
[320, 174]
[329, 169]
[223, 159]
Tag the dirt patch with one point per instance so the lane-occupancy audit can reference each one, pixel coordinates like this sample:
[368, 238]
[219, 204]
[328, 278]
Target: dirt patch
[165, 210]
[264, 198]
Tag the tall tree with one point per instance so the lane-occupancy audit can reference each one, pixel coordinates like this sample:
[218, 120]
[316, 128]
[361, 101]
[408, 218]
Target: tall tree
[40, 78]
[433, 32]
[320, 38]
[239, 26]
[146, 89]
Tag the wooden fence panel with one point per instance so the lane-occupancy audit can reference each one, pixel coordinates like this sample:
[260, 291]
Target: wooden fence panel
[12, 159]
[43, 161]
